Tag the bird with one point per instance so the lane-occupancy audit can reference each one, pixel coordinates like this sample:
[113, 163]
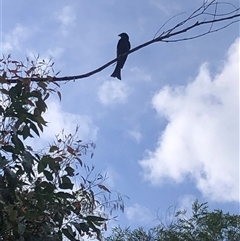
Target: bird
[123, 46]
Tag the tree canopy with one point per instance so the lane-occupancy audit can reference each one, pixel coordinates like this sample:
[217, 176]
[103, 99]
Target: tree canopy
[201, 225]
[49, 193]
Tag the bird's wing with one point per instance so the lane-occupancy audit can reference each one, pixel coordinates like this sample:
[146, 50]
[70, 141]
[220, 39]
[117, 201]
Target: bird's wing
[123, 46]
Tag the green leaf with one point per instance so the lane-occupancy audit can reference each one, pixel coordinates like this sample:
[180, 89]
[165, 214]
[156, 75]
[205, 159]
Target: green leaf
[65, 195]
[58, 218]
[48, 175]
[46, 96]
[79, 160]
[48, 187]
[104, 188]
[40, 167]
[28, 163]
[28, 158]
[41, 105]
[66, 186]
[42, 85]
[53, 165]
[21, 228]
[66, 183]
[3, 161]
[70, 171]
[9, 148]
[4, 91]
[43, 163]
[34, 128]
[16, 90]
[53, 149]
[26, 132]
[69, 233]
[96, 230]
[18, 143]
[95, 218]
[36, 94]
[66, 179]
[1, 110]
[81, 227]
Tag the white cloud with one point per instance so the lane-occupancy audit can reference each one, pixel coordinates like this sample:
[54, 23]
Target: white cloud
[166, 8]
[67, 17]
[13, 40]
[140, 75]
[139, 214]
[201, 138]
[113, 92]
[112, 177]
[135, 135]
[55, 53]
[58, 120]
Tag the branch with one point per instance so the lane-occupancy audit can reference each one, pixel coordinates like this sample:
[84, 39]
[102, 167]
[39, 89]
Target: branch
[163, 37]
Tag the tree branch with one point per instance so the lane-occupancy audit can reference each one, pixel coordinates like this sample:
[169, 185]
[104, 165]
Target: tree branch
[163, 37]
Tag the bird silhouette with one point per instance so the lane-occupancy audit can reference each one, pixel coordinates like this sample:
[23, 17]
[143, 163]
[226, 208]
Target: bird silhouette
[123, 46]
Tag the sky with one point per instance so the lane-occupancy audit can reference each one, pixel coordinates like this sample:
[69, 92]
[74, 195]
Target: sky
[168, 133]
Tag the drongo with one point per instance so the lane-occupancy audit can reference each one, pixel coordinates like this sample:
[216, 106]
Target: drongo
[123, 46]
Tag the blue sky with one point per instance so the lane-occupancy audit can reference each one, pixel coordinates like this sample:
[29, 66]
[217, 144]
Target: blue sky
[166, 134]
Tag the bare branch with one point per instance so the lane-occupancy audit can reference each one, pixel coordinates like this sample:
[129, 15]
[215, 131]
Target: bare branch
[166, 36]
[200, 35]
[166, 23]
[214, 16]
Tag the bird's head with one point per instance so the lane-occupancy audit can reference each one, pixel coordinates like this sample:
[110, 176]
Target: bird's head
[123, 35]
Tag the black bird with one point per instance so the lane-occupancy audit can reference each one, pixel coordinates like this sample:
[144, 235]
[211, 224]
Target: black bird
[123, 46]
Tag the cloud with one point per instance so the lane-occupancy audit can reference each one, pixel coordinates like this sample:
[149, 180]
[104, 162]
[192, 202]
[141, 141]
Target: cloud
[13, 40]
[113, 92]
[201, 139]
[140, 75]
[55, 53]
[135, 135]
[139, 214]
[166, 8]
[67, 18]
[58, 120]
[112, 177]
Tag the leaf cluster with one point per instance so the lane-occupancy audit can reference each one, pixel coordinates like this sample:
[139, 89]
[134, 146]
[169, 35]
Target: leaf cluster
[47, 194]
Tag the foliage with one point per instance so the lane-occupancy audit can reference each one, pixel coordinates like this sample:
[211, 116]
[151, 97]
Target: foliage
[44, 195]
[202, 225]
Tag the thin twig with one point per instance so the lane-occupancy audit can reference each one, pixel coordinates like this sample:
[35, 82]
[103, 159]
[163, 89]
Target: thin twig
[167, 22]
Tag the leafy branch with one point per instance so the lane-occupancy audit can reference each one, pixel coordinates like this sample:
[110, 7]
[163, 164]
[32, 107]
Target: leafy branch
[44, 195]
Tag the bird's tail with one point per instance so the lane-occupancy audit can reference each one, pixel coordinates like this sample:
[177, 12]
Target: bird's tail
[117, 73]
